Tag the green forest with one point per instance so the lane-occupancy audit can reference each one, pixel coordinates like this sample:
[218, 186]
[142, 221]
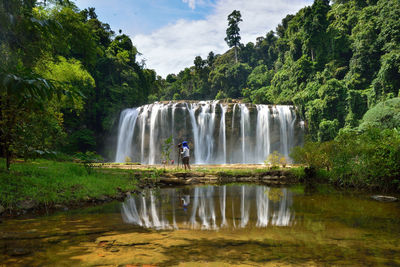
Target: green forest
[65, 76]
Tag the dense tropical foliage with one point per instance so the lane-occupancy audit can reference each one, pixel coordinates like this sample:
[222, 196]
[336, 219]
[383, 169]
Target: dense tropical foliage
[333, 61]
[64, 77]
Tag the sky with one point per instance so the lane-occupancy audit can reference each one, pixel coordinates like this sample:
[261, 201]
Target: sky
[171, 33]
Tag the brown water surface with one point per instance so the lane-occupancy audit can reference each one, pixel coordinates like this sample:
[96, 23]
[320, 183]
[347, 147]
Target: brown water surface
[247, 225]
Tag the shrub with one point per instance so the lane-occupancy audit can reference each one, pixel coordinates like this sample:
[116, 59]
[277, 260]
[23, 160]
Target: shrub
[128, 159]
[275, 159]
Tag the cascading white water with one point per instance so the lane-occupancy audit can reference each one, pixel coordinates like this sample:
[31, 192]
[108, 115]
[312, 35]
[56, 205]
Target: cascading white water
[244, 129]
[285, 117]
[255, 131]
[222, 133]
[252, 204]
[263, 132]
[153, 133]
[143, 118]
[126, 129]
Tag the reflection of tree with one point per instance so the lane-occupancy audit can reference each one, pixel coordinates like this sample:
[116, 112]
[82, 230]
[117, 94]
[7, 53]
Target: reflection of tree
[275, 194]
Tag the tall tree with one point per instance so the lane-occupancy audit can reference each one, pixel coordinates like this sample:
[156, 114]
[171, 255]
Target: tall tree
[232, 32]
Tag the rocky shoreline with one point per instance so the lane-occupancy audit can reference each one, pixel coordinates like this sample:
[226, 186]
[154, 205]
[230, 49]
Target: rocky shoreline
[271, 178]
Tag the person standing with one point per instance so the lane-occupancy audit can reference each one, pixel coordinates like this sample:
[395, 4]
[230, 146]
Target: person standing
[185, 155]
[180, 149]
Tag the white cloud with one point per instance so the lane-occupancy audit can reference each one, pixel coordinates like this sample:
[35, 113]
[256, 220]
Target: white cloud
[192, 3]
[173, 47]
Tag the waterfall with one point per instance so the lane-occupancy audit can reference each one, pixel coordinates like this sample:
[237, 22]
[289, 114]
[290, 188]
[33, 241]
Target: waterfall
[232, 129]
[173, 123]
[195, 129]
[126, 130]
[153, 133]
[263, 133]
[244, 129]
[143, 119]
[222, 133]
[285, 120]
[255, 131]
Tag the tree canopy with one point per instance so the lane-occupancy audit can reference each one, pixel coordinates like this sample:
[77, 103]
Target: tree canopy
[66, 71]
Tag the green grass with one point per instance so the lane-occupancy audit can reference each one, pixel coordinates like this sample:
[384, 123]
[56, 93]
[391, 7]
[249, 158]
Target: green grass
[50, 182]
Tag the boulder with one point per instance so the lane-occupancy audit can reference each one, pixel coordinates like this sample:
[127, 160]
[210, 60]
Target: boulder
[384, 198]
[27, 204]
[103, 198]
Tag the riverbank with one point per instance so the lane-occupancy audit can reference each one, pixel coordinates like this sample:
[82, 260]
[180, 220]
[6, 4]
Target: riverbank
[42, 186]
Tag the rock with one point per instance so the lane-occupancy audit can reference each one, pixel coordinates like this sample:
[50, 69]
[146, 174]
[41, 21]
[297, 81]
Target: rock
[114, 250]
[384, 198]
[61, 207]
[26, 204]
[267, 177]
[19, 252]
[103, 198]
[2, 209]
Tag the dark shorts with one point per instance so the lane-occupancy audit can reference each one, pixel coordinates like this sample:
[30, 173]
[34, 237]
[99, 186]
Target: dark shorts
[185, 160]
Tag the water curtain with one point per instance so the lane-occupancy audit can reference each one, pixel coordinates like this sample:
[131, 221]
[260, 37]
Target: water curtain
[218, 133]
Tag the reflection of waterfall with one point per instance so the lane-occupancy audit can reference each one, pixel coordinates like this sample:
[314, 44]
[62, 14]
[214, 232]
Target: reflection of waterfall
[259, 206]
[244, 208]
[262, 206]
[222, 204]
[283, 216]
[131, 215]
[216, 132]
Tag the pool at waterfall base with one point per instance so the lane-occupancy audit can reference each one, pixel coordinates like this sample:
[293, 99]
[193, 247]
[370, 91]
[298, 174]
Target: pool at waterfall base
[235, 224]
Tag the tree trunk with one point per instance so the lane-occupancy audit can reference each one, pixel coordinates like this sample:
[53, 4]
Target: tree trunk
[236, 59]
[8, 157]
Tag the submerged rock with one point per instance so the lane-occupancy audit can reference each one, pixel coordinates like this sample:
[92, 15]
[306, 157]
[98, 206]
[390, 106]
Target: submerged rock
[384, 198]
[19, 252]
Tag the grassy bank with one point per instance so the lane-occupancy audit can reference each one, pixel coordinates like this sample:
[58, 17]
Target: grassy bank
[46, 183]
